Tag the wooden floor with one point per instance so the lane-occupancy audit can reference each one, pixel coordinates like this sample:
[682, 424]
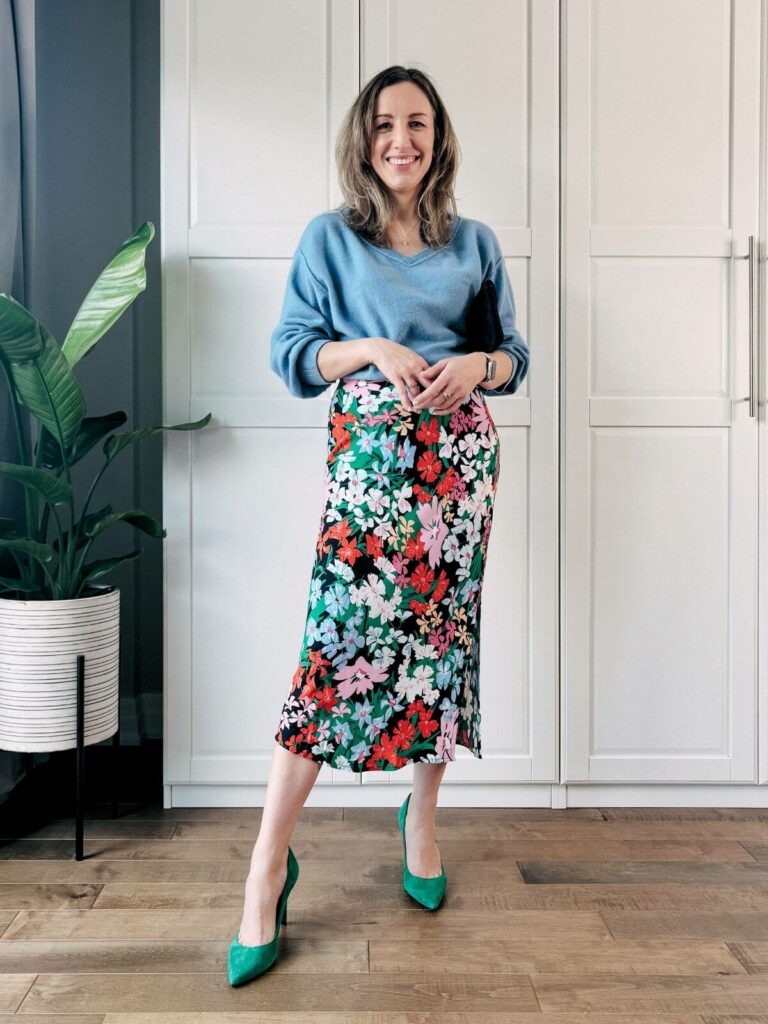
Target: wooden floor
[609, 916]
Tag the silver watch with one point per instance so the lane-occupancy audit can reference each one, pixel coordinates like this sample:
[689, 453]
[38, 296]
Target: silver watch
[490, 369]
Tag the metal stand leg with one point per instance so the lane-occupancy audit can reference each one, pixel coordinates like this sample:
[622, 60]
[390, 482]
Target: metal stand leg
[80, 757]
[115, 768]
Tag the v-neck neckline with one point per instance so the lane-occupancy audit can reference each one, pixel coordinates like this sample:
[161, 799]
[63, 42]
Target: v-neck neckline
[417, 257]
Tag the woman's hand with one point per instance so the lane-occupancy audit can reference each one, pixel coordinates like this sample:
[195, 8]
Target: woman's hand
[401, 366]
[458, 376]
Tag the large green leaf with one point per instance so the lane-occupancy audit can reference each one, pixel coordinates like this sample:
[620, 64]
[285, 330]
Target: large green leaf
[117, 442]
[101, 566]
[10, 584]
[42, 552]
[92, 429]
[21, 338]
[123, 278]
[48, 380]
[54, 491]
[142, 520]
[82, 538]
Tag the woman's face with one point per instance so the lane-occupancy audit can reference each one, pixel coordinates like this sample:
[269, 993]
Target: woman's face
[403, 126]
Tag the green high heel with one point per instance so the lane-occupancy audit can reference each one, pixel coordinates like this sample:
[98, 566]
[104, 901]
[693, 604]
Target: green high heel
[246, 962]
[426, 891]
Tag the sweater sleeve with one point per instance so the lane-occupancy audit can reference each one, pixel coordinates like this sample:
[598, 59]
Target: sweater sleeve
[514, 344]
[304, 327]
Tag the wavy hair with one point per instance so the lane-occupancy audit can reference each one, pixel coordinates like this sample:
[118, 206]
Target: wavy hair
[371, 204]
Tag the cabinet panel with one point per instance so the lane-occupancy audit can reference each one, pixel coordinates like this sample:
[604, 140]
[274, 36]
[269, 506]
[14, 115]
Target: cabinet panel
[660, 457]
[495, 63]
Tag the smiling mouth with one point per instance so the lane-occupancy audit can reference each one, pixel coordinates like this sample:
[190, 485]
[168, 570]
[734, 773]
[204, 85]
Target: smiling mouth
[399, 162]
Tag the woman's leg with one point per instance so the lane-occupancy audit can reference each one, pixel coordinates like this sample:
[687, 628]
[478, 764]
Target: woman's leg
[420, 841]
[291, 778]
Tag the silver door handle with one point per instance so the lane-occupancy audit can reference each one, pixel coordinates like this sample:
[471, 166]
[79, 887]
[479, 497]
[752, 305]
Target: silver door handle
[752, 324]
[753, 293]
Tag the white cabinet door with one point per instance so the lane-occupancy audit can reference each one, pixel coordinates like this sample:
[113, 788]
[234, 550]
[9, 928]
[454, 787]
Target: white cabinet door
[496, 67]
[659, 540]
[248, 124]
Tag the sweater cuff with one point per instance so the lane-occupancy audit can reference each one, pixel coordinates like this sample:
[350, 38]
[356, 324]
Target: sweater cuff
[306, 364]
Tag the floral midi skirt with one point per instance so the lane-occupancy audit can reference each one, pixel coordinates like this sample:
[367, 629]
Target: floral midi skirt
[388, 671]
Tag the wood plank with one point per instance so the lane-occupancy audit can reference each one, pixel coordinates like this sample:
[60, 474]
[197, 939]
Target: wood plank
[21, 896]
[548, 956]
[632, 993]
[393, 1017]
[753, 955]
[408, 921]
[470, 828]
[478, 892]
[636, 873]
[111, 993]
[731, 927]
[112, 956]
[46, 1018]
[110, 829]
[13, 990]
[684, 813]
[388, 848]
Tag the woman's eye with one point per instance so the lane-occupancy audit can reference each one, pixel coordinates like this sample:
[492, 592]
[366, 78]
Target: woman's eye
[384, 124]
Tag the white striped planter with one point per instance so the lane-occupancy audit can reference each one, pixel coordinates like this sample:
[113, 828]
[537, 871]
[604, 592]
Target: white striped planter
[39, 644]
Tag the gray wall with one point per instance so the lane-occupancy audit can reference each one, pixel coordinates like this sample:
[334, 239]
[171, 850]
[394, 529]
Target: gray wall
[97, 180]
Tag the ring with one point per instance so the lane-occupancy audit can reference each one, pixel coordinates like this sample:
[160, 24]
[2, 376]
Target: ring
[446, 396]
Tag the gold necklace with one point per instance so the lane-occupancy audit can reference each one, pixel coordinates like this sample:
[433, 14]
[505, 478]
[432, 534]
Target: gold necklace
[405, 237]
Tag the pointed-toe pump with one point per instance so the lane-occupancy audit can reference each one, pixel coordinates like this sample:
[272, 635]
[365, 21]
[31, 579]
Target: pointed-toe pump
[426, 891]
[246, 962]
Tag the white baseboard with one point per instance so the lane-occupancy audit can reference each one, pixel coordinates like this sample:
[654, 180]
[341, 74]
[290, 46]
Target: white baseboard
[484, 795]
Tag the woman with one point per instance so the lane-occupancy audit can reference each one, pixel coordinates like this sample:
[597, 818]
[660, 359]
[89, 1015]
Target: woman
[388, 671]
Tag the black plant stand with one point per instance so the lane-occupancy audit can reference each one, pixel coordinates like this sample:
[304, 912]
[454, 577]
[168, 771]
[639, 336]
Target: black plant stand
[80, 758]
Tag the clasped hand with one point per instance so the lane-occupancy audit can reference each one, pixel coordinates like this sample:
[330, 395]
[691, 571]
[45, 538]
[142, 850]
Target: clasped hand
[442, 387]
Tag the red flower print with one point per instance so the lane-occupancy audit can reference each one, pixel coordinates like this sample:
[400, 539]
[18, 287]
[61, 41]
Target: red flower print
[348, 551]
[429, 466]
[422, 579]
[404, 734]
[427, 724]
[447, 482]
[421, 495]
[339, 433]
[373, 545]
[327, 698]
[414, 549]
[442, 585]
[428, 432]
[388, 748]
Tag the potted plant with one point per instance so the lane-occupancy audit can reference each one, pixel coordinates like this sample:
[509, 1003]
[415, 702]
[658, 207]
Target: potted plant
[52, 608]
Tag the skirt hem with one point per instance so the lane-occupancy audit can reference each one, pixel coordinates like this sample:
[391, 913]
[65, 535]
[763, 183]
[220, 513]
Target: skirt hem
[360, 767]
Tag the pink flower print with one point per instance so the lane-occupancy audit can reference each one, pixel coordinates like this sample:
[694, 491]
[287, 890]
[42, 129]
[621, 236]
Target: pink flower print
[445, 743]
[481, 417]
[356, 386]
[434, 530]
[358, 678]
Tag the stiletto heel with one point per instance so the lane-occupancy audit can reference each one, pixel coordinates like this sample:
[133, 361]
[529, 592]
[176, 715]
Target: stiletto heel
[426, 891]
[246, 962]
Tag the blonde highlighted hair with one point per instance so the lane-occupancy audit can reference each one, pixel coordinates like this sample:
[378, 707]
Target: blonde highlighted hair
[371, 204]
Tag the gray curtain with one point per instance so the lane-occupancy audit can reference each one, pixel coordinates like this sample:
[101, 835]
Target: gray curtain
[79, 172]
[17, 159]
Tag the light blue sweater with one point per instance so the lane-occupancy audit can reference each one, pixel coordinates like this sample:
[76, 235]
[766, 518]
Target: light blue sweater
[341, 287]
